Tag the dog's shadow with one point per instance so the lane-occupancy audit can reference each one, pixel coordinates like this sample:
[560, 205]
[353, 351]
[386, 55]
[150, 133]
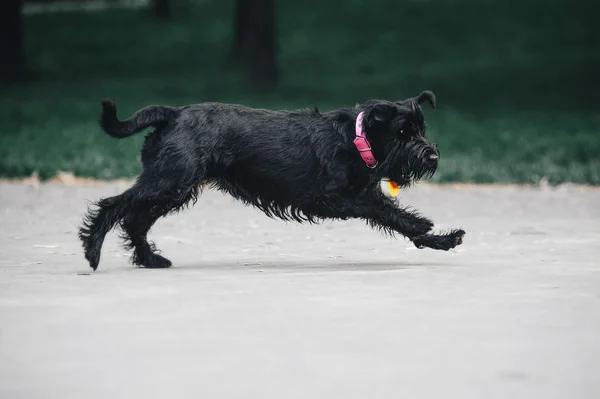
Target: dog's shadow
[287, 266]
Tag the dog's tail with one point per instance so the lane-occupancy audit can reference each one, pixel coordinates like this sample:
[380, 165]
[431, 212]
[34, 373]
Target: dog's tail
[149, 116]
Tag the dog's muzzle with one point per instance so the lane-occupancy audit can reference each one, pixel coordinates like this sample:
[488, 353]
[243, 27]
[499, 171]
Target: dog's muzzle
[433, 156]
[432, 159]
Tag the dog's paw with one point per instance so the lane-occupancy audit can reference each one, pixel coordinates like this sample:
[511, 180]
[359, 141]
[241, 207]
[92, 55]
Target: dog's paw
[443, 242]
[419, 241]
[456, 238]
[94, 260]
[92, 250]
[150, 260]
[158, 262]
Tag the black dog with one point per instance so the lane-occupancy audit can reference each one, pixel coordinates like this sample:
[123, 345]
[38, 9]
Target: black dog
[303, 166]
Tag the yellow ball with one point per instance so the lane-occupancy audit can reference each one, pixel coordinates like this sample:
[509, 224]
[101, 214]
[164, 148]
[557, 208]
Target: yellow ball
[389, 188]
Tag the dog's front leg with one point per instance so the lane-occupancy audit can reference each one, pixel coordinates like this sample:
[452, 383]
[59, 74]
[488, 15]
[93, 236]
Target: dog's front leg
[383, 213]
[380, 212]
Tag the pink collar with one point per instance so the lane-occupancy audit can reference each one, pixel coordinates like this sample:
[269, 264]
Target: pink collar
[362, 144]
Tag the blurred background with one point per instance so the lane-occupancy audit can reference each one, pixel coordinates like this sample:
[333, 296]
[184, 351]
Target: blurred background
[516, 80]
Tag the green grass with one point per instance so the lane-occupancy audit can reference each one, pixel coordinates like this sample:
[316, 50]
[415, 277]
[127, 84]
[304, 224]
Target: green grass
[515, 81]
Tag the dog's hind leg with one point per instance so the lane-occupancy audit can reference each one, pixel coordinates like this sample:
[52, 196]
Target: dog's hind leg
[136, 210]
[96, 224]
[148, 207]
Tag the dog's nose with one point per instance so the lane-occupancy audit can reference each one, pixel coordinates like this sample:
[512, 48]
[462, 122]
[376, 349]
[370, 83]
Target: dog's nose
[433, 157]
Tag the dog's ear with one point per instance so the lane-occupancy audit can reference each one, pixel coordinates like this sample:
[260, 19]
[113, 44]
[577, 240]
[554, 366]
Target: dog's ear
[426, 96]
[382, 112]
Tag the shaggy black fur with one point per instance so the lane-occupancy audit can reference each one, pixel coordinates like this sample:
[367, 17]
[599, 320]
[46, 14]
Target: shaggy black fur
[300, 166]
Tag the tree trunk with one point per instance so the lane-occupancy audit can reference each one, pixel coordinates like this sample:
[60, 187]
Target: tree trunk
[12, 64]
[255, 43]
[162, 8]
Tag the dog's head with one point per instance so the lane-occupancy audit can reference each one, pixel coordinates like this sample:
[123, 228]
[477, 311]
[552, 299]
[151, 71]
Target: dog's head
[397, 132]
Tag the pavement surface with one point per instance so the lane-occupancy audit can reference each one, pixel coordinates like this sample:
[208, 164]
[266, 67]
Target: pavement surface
[257, 308]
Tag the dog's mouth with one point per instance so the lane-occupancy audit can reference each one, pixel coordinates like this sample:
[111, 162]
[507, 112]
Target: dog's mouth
[406, 179]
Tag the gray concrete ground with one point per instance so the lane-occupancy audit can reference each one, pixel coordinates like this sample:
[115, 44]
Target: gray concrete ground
[256, 308]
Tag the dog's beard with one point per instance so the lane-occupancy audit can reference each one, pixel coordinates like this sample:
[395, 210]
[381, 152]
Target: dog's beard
[410, 163]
